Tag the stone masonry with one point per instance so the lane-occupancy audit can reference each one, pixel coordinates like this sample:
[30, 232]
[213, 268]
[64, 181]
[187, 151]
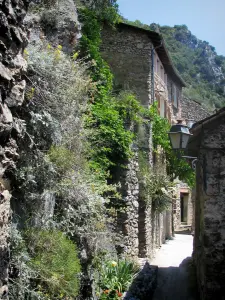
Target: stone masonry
[192, 110]
[208, 143]
[129, 52]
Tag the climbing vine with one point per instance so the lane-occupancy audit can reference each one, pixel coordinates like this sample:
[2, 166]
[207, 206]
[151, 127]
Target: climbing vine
[176, 166]
[109, 115]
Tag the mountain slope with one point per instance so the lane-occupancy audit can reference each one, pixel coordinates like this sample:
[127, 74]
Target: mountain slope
[198, 63]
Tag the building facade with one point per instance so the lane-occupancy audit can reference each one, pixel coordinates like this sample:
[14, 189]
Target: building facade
[140, 63]
[208, 145]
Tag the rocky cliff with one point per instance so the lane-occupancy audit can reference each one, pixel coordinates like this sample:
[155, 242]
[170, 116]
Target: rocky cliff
[12, 85]
[198, 63]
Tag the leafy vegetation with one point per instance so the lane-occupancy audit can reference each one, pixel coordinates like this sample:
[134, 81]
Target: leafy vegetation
[47, 263]
[199, 65]
[115, 278]
[110, 115]
[56, 189]
[175, 166]
[156, 187]
[55, 259]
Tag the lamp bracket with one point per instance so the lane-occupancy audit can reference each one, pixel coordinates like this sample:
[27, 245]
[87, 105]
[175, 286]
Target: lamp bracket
[194, 161]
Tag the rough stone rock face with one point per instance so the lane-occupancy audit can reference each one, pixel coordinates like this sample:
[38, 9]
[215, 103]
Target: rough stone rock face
[57, 23]
[12, 66]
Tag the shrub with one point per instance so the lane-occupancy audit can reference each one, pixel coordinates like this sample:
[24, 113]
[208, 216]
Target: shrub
[20, 273]
[55, 259]
[49, 20]
[62, 158]
[61, 84]
[175, 167]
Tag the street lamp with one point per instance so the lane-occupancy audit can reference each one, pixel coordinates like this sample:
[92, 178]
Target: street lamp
[179, 135]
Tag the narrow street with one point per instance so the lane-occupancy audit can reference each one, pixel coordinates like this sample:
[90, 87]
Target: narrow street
[176, 279]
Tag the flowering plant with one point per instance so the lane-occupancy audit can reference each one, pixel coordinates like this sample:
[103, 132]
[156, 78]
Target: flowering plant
[115, 278]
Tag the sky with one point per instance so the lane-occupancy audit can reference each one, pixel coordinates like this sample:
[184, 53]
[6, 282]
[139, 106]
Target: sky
[204, 18]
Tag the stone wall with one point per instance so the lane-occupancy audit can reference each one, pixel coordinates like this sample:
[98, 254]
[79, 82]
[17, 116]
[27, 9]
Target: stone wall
[127, 221]
[193, 110]
[209, 241]
[175, 111]
[128, 53]
[127, 50]
[12, 85]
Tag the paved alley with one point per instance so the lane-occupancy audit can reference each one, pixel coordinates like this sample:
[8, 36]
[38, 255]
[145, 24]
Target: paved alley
[176, 279]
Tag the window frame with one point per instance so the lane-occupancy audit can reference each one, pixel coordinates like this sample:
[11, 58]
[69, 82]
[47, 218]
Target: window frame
[175, 95]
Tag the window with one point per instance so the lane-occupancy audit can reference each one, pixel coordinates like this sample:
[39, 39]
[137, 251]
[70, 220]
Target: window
[161, 72]
[175, 96]
[162, 108]
[165, 78]
[170, 90]
[158, 67]
[155, 63]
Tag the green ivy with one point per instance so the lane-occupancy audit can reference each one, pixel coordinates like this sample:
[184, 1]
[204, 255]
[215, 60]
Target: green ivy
[109, 115]
[176, 166]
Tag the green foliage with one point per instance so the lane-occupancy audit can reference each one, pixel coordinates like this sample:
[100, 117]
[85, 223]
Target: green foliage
[176, 166]
[137, 23]
[105, 10]
[20, 286]
[156, 187]
[53, 170]
[115, 278]
[191, 57]
[109, 115]
[55, 259]
[62, 158]
[160, 188]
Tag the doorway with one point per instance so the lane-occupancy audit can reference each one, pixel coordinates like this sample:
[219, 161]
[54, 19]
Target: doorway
[184, 207]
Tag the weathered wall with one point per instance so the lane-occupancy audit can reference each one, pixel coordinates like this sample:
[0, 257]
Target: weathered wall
[128, 53]
[57, 23]
[176, 111]
[12, 85]
[127, 221]
[209, 242]
[193, 110]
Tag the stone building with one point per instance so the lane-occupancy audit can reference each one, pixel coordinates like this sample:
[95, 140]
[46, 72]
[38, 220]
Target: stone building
[141, 64]
[184, 206]
[208, 145]
[193, 110]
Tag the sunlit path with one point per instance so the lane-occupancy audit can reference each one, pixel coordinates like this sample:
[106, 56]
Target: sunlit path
[175, 275]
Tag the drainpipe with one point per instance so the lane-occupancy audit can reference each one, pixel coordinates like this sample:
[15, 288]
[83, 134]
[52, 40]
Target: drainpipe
[153, 77]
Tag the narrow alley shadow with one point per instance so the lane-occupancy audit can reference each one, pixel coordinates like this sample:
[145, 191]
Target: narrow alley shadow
[144, 285]
[186, 231]
[177, 283]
